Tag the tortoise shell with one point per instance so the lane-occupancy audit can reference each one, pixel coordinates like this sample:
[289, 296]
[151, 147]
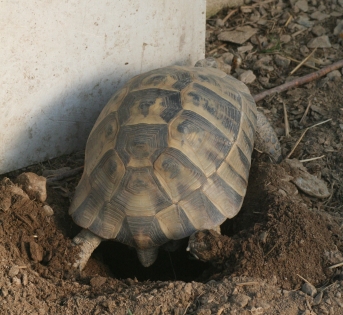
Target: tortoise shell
[169, 155]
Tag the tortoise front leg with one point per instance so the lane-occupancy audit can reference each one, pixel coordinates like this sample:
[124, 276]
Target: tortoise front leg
[87, 242]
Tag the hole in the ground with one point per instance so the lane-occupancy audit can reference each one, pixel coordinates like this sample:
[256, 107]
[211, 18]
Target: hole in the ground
[177, 265]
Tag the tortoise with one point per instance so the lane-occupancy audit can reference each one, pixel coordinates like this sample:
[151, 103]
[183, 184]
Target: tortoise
[169, 155]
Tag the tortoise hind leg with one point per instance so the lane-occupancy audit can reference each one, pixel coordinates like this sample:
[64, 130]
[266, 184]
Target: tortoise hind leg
[266, 139]
[147, 256]
[87, 242]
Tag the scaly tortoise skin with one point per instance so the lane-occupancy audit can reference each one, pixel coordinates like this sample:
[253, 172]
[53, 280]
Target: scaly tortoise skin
[169, 155]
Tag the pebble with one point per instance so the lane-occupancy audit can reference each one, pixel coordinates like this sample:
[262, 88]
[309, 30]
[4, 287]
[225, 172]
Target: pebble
[4, 292]
[319, 16]
[13, 271]
[319, 42]
[48, 211]
[227, 58]
[282, 61]
[309, 289]
[318, 30]
[188, 289]
[247, 77]
[304, 50]
[256, 310]
[25, 279]
[318, 298]
[285, 38]
[33, 185]
[240, 299]
[263, 236]
[220, 23]
[304, 20]
[302, 5]
[263, 64]
[340, 2]
[36, 251]
[97, 281]
[16, 281]
[339, 28]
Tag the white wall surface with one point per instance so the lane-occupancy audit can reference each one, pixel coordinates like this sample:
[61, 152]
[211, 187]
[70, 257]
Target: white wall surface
[62, 60]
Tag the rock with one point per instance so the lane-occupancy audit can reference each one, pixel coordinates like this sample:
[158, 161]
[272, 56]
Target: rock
[36, 251]
[263, 236]
[227, 58]
[340, 2]
[16, 281]
[239, 36]
[309, 289]
[240, 299]
[25, 279]
[282, 61]
[302, 5]
[247, 77]
[263, 64]
[318, 30]
[97, 281]
[188, 289]
[244, 49]
[33, 185]
[339, 28]
[5, 202]
[334, 75]
[48, 211]
[318, 298]
[304, 50]
[319, 42]
[256, 310]
[304, 20]
[306, 182]
[285, 38]
[13, 271]
[319, 16]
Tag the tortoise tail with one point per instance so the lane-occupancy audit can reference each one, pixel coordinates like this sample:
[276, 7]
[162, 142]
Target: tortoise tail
[147, 256]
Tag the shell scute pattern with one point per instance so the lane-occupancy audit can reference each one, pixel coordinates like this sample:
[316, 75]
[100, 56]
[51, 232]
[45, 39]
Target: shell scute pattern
[170, 154]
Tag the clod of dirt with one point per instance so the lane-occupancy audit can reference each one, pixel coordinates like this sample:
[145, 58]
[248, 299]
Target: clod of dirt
[33, 185]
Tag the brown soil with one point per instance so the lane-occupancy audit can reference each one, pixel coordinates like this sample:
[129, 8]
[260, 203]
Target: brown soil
[281, 238]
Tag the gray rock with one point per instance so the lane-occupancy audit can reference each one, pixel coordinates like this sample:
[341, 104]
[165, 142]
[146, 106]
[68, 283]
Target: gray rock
[304, 20]
[285, 38]
[239, 36]
[318, 30]
[220, 23]
[302, 5]
[247, 77]
[340, 2]
[240, 299]
[319, 16]
[318, 298]
[309, 289]
[319, 42]
[339, 28]
[282, 61]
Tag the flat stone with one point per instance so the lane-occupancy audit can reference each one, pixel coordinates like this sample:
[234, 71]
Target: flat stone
[309, 289]
[247, 77]
[318, 30]
[302, 5]
[246, 48]
[97, 281]
[304, 20]
[240, 299]
[33, 185]
[239, 36]
[282, 61]
[285, 38]
[319, 42]
[319, 16]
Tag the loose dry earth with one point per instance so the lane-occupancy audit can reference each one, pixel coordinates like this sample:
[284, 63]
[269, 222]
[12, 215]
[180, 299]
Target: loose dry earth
[281, 239]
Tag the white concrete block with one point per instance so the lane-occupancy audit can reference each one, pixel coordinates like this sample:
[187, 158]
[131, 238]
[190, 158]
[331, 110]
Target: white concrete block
[62, 60]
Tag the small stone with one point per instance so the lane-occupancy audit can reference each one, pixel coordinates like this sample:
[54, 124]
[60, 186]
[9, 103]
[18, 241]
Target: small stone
[5, 203]
[319, 16]
[244, 49]
[256, 310]
[4, 292]
[240, 299]
[239, 36]
[328, 301]
[304, 50]
[340, 2]
[25, 279]
[227, 58]
[334, 75]
[338, 294]
[309, 289]
[319, 42]
[97, 281]
[318, 30]
[339, 28]
[33, 185]
[48, 211]
[282, 61]
[304, 20]
[13, 271]
[263, 64]
[339, 302]
[188, 289]
[16, 281]
[220, 23]
[285, 38]
[318, 298]
[302, 5]
[247, 77]
[263, 236]
[36, 251]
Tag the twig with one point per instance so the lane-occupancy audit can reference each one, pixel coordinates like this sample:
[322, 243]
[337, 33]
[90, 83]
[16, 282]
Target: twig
[305, 280]
[217, 48]
[66, 174]
[336, 266]
[303, 134]
[189, 303]
[271, 250]
[286, 120]
[299, 81]
[301, 63]
[231, 13]
[305, 65]
[256, 4]
[306, 111]
[312, 159]
[247, 283]
[289, 20]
